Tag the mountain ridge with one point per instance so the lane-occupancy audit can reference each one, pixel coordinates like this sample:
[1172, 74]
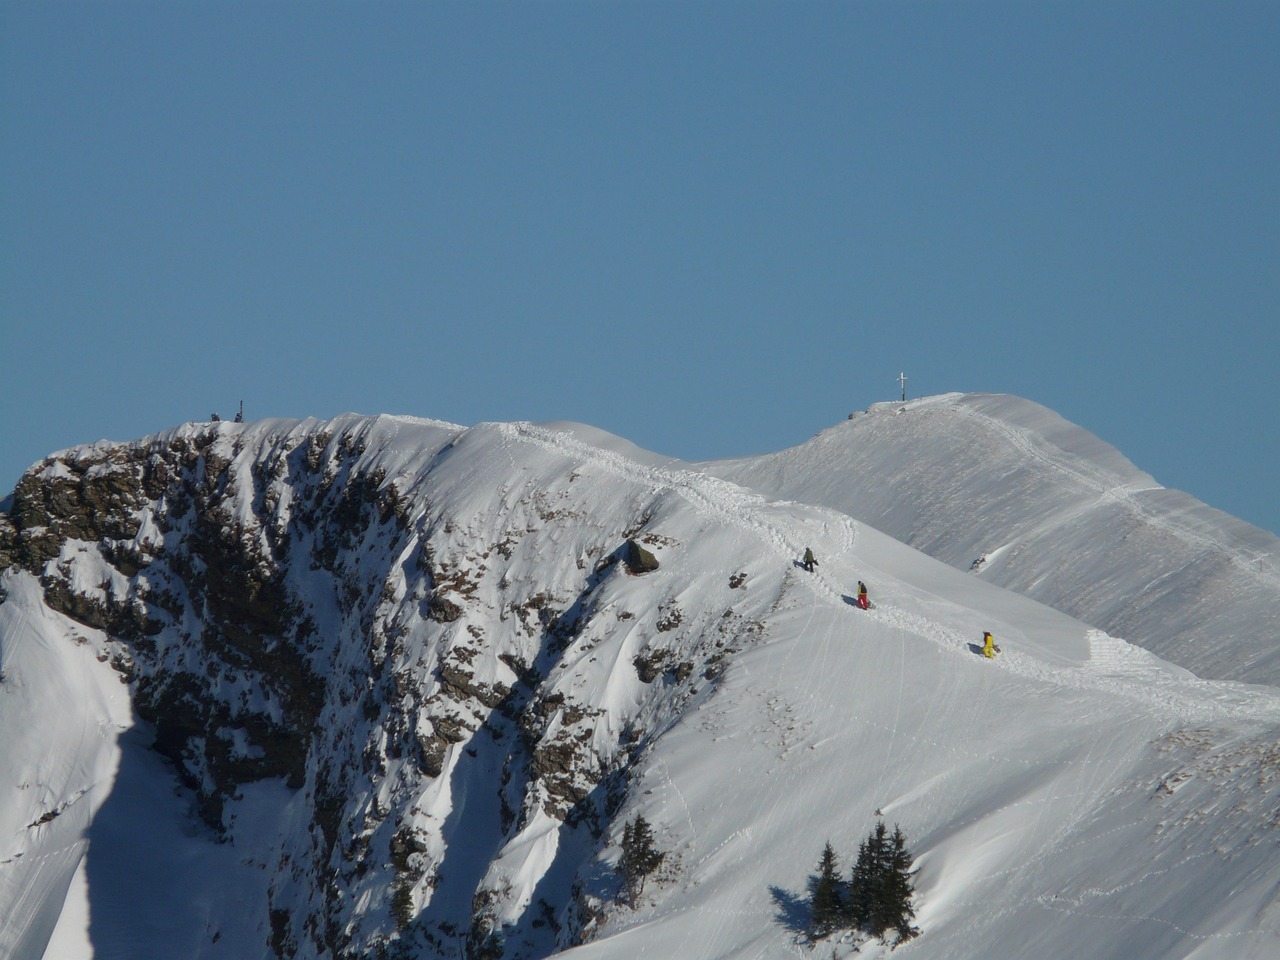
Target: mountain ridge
[1009, 490]
[410, 686]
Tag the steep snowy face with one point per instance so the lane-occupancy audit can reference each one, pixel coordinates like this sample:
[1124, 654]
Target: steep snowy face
[1008, 490]
[398, 620]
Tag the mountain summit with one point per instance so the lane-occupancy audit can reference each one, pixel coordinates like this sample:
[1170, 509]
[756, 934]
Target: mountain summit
[1010, 491]
[382, 687]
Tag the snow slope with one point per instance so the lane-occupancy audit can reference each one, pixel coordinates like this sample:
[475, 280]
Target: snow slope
[1076, 797]
[61, 713]
[1009, 490]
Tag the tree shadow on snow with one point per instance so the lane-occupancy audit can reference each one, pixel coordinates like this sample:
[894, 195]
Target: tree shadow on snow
[793, 911]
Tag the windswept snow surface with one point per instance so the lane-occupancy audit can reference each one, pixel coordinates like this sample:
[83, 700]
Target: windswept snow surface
[1076, 797]
[1010, 491]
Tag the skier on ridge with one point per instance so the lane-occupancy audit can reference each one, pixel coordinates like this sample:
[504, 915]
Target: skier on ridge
[809, 561]
[989, 648]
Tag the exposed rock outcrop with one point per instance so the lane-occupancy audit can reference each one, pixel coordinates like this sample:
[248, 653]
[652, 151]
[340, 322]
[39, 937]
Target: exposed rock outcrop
[638, 559]
[282, 608]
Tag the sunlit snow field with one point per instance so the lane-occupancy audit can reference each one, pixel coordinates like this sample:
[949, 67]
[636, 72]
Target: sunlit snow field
[1076, 797]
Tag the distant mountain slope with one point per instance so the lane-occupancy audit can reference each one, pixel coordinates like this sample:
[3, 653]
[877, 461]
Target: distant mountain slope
[410, 682]
[1006, 489]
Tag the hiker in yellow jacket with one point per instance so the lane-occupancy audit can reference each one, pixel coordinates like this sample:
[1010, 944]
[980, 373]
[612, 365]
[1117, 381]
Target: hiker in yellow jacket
[989, 648]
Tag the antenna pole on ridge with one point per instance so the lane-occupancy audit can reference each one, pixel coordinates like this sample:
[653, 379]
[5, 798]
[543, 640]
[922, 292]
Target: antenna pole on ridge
[902, 380]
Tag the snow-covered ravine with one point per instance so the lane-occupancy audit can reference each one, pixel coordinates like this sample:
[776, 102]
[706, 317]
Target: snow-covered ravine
[502, 694]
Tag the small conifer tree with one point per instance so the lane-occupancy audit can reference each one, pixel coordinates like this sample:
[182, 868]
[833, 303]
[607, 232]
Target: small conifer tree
[866, 881]
[900, 887]
[827, 907]
[639, 856]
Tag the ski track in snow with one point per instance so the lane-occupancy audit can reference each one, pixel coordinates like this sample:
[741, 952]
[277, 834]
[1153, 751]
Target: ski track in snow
[1124, 495]
[1114, 666]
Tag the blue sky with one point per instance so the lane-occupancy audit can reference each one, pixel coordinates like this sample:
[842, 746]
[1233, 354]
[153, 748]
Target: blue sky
[711, 228]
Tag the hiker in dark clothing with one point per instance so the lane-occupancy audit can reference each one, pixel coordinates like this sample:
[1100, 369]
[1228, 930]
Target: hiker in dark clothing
[809, 561]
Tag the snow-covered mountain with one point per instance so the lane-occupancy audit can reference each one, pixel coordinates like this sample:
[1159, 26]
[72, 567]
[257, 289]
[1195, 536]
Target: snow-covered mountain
[387, 687]
[1010, 491]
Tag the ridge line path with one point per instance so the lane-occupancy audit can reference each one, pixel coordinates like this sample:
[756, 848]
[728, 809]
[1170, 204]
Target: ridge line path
[1114, 666]
[734, 504]
[729, 501]
[1122, 494]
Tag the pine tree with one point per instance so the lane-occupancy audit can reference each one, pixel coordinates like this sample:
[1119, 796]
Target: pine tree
[881, 886]
[827, 906]
[900, 887]
[858, 906]
[639, 856]
[867, 882]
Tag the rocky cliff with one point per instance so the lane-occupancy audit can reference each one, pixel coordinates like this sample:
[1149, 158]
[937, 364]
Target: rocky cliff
[285, 601]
